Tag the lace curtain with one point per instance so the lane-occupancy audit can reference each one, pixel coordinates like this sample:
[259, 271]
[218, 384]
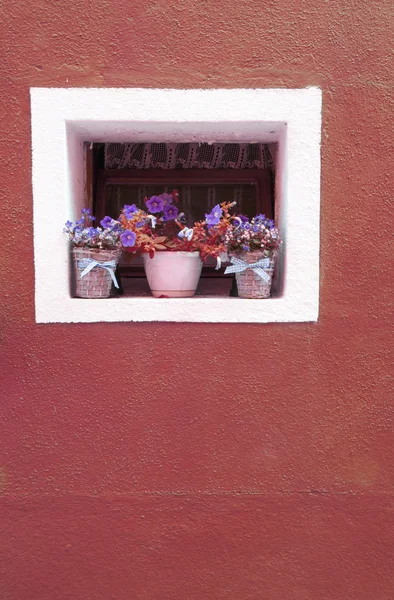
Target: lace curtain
[187, 156]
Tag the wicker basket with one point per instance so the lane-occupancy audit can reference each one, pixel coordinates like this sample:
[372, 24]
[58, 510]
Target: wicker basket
[97, 282]
[251, 285]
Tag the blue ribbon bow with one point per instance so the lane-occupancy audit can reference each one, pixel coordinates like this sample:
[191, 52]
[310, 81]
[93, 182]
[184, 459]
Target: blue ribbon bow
[89, 263]
[239, 265]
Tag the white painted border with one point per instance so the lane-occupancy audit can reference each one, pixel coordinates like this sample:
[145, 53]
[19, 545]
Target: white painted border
[62, 119]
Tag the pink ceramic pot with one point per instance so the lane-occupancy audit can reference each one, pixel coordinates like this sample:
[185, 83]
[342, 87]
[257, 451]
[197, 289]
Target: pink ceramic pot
[173, 274]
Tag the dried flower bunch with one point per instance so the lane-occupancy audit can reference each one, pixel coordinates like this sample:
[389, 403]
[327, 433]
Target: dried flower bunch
[259, 233]
[83, 234]
[163, 228]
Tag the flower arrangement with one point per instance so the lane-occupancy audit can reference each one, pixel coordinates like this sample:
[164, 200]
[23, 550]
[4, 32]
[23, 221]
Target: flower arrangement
[252, 246]
[258, 234]
[172, 252]
[84, 235]
[164, 229]
[96, 251]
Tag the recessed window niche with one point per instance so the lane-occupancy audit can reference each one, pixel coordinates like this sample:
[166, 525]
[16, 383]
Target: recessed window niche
[64, 121]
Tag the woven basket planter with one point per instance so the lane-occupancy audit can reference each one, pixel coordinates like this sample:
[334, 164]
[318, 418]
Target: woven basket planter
[97, 283]
[251, 285]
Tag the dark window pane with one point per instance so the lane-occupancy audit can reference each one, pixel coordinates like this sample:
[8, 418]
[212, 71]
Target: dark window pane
[194, 200]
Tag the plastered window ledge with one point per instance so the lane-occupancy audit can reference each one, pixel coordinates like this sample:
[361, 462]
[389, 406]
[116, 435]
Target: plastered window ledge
[64, 119]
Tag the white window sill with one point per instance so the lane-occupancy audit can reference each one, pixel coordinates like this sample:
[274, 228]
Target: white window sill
[204, 309]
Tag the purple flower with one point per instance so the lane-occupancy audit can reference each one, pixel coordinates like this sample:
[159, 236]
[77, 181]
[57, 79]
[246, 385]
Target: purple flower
[214, 216]
[68, 224]
[246, 248]
[155, 204]
[243, 218]
[247, 226]
[87, 215]
[107, 222]
[92, 232]
[170, 212]
[128, 238]
[271, 223]
[129, 209]
[259, 218]
[255, 228]
[167, 199]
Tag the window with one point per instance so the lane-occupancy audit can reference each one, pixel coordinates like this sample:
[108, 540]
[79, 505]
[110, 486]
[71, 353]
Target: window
[63, 120]
[206, 174]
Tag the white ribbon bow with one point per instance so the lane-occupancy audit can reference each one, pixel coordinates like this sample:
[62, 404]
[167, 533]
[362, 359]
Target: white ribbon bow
[239, 265]
[89, 263]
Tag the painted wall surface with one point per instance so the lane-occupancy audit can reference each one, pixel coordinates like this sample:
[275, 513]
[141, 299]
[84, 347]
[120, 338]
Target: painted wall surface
[190, 461]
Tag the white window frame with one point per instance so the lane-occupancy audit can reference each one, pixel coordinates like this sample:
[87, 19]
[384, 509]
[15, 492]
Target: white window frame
[63, 119]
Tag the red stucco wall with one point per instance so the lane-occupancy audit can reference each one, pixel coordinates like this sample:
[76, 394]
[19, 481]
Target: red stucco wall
[204, 462]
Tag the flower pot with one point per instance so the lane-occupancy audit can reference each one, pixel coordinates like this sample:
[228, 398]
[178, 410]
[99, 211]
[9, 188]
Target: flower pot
[249, 282]
[95, 271]
[173, 274]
